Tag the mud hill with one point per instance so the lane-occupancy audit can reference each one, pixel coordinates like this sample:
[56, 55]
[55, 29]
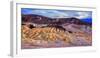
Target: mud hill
[44, 32]
[38, 19]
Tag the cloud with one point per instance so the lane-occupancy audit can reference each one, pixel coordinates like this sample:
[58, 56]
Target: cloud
[50, 13]
[82, 15]
[57, 13]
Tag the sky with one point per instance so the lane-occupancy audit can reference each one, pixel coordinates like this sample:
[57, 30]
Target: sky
[53, 13]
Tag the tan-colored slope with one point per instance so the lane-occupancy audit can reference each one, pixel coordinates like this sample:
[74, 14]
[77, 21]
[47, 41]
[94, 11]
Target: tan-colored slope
[44, 37]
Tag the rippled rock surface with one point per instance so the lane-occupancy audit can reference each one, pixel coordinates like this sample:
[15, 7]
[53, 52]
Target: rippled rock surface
[43, 32]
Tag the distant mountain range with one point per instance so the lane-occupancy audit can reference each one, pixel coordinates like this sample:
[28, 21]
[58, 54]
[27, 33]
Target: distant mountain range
[38, 19]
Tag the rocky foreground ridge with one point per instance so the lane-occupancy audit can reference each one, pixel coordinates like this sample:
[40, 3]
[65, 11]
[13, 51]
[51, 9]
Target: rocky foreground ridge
[43, 32]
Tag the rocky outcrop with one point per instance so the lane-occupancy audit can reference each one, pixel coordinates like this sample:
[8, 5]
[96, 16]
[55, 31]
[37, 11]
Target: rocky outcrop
[43, 32]
[37, 19]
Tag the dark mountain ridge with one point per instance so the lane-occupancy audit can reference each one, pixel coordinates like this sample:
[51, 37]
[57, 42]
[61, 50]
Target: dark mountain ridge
[39, 19]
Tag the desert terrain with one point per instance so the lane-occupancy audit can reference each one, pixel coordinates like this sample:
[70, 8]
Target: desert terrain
[43, 32]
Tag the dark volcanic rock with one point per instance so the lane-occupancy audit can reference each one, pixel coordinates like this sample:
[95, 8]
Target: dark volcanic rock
[38, 19]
